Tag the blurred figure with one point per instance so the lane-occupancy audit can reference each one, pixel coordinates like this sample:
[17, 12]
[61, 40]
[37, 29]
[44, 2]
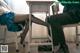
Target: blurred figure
[70, 15]
[14, 21]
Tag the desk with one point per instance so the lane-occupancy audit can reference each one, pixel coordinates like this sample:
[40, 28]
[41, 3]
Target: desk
[39, 6]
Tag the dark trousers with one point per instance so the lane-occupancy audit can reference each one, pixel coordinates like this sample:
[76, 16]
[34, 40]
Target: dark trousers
[57, 22]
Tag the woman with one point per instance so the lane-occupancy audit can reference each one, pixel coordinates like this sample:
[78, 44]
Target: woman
[13, 20]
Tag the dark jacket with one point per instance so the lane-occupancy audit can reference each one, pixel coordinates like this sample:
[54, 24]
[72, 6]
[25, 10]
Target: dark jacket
[70, 3]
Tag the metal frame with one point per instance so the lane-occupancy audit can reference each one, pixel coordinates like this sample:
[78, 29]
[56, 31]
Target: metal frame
[33, 9]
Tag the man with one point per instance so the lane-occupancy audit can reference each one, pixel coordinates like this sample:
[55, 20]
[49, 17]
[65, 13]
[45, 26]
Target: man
[70, 15]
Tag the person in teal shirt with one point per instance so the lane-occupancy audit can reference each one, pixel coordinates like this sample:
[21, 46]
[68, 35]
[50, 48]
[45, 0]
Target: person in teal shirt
[70, 15]
[14, 22]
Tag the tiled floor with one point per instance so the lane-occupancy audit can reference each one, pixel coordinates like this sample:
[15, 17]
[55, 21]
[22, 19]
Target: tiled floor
[72, 49]
[70, 35]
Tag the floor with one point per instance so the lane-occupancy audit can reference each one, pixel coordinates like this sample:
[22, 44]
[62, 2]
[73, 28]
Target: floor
[12, 48]
[70, 36]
